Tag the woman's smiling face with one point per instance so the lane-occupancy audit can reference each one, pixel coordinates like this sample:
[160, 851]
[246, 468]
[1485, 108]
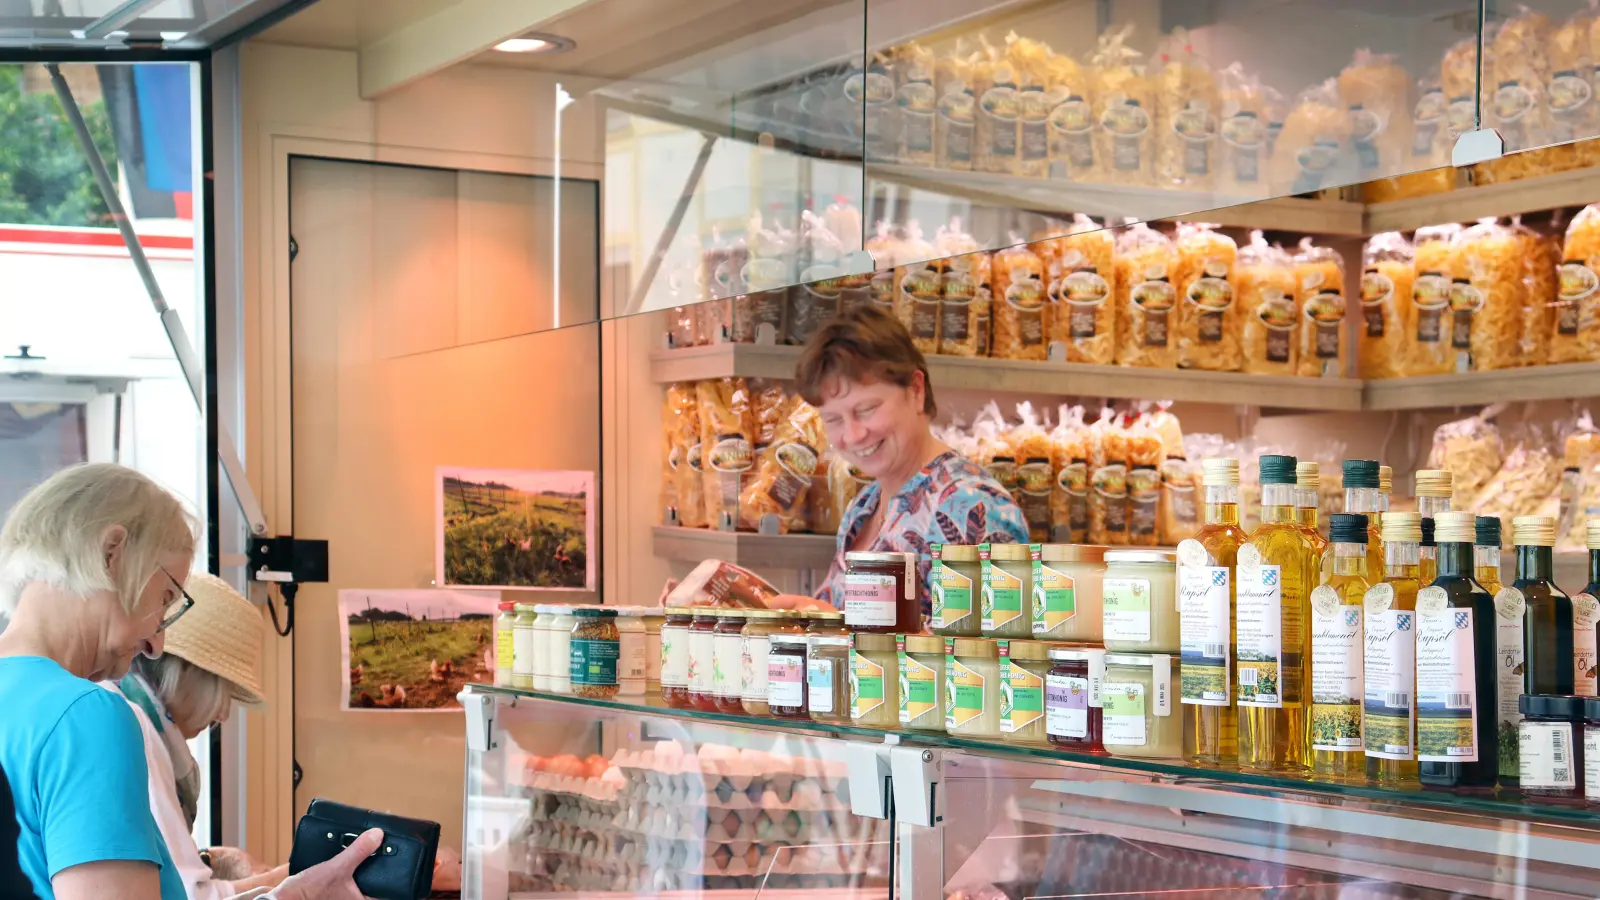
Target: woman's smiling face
[875, 425]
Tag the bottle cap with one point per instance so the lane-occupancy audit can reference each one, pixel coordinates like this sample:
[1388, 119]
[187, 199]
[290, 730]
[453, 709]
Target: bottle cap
[1220, 472]
[1386, 479]
[1593, 534]
[1533, 531]
[1361, 473]
[1307, 474]
[1434, 483]
[1277, 469]
[1402, 527]
[1551, 706]
[1455, 528]
[1348, 528]
[1488, 531]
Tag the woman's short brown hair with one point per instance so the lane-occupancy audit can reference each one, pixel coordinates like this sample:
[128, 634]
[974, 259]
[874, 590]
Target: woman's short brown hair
[865, 344]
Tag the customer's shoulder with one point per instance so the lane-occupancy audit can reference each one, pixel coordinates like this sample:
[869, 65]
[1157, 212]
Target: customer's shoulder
[48, 697]
[954, 472]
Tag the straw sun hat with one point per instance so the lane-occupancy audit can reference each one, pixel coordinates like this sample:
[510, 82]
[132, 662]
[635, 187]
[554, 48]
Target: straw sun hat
[221, 634]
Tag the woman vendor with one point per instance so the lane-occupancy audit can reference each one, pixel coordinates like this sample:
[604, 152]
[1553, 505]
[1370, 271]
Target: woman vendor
[870, 384]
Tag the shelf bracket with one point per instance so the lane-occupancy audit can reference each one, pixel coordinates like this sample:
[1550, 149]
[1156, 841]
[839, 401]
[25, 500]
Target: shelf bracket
[480, 710]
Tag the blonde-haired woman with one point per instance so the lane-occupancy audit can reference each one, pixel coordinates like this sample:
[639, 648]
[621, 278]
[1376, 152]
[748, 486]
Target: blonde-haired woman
[92, 566]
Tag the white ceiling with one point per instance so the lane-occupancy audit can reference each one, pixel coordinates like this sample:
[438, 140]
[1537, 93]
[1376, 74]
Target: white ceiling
[348, 24]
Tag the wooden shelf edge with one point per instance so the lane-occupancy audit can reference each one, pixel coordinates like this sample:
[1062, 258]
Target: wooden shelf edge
[1467, 204]
[773, 551]
[1558, 382]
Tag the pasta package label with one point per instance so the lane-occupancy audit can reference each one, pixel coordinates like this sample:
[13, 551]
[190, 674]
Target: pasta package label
[957, 110]
[1084, 290]
[1196, 127]
[1033, 490]
[1377, 290]
[1365, 125]
[1276, 312]
[924, 289]
[1578, 284]
[1144, 489]
[1511, 104]
[1313, 163]
[917, 102]
[1155, 299]
[1070, 126]
[1000, 107]
[1427, 118]
[1568, 95]
[1073, 479]
[1127, 122]
[1026, 298]
[1033, 108]
[1212, 295]
[731, 454]
[1465, 301]
[1325, 316]
[1430, 294]
[798, 463]
[1242, 136]
[1461, 115]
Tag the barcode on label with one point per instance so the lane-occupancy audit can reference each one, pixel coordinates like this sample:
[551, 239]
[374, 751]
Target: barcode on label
[1458, 701]
[1247, 676]
[1558, 749]
[1215, 651]
[1397, 701]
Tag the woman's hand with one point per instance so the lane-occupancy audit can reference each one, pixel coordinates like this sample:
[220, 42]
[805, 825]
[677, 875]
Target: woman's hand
[268, 879]
[334, 879]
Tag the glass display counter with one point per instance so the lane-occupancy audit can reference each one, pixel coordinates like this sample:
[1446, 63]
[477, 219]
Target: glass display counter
[569, 796]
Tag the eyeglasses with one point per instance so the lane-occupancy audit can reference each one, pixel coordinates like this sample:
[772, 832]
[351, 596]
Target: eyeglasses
[175, 610]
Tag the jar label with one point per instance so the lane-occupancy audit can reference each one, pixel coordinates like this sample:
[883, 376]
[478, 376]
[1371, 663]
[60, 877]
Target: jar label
[952, 595]
[1124, 721]
[753, 659]
[520, 654]
[632, 666]
[1591, 762]
[1127, 609]
[1509, 608]
[870, 600]
[652, 656]
[726, 650]
[1067, 705]
[1055, 599]
[1336, 687]
[819, 685]
[698, 669]
[1204, 626]
[1545, 751]
[505, 649]
[786, 680]
[674, 656]
[1261, 628]
[866, 685]
[1447, 696]
[1585, 613]
[1021, 697]
[1002, 596]
[963, 694]
[1389, 663]
[594, 662]
[919, 693]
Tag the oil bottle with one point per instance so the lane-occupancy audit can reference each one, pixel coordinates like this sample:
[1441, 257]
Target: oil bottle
[1434, 487]
[1456, 683]
[1507, 644]
[1592, 591]
[1550, 654]
[1206, 617]
[1363, 494]
[1276, 571]
[1307, 506]
[1389, 710]
[1336, 653]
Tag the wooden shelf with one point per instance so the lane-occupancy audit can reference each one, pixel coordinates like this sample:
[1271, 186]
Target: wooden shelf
[757, 551]
[1470, 203]
[1570, 380]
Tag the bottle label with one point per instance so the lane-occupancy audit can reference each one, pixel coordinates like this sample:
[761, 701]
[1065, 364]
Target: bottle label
[1055, 600]
[674, 656]
[870, 600]
[1067, 702]
[753, 669]
[963, 694]
[1591, 763]
[1124, 721]
[594, 662]
[1260, 631]
[952, 594]
[1021, 697]
[1447, 698]
[1336, 666]
[1389, 663]
[1509, 609]
[919, 693]
[786, 680]
[520, 654]
[1127, 609]
[1545, 751]
[1002, 596]
[698, 667]
[819, 685]
[1585, 614]
[1204, 627]
[727, 651]
[866, 685]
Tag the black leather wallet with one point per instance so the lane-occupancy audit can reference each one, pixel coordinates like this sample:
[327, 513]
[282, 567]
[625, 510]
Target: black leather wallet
[401, 869]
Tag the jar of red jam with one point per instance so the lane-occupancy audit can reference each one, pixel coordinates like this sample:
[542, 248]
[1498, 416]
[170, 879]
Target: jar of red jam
[675, 657]
[727, 653]
[786, 675]
[701, 634]
[1073, 714]
[880, 593]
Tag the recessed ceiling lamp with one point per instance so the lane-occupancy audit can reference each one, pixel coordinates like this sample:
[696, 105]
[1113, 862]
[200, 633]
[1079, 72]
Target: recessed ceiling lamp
[535, 43]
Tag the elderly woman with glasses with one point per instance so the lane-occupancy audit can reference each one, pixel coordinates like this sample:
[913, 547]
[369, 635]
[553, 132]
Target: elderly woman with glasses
[92, 568]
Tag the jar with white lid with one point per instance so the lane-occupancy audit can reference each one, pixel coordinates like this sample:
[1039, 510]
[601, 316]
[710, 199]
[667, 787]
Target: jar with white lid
[654, 617]
[1137, 704]
[633, 661]
[1139, 602]
[543, 644]
[560, 645]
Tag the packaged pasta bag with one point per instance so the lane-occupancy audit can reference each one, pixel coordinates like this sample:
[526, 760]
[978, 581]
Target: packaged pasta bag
[956, 111]
[1313, 136]
[1145, 455]
[1376, 92]
[995, 453]
[916, 101]
[783, 475]
[1581, 451]
[815, 299]
[1124, 98]
[1577, 319]
[843, 220]
[1458, 80]
[918, 302]
[966, 303]
[1517, 77]
[885, 249]
[685, 457]
[766, 276]
[1069, 499]
[1036, 97]
[675, 408]
[1570, 92]
[1070, 126]
[727, 444]
[1209, 324]
[1472, 450]
[1185, 115]
[824, 512]
[1385, 328]
[1434, 266]
[1277, 106]
[1585, 506]
[994, 83]
[1242, 127]
[1035, 472]
[1486, 298]
[1540, 258]
[769, 405]
[1319, 278]
[1179, 510]
[1021, 308]
[1084, 315]
[1265, 286]
[1108, 481]
[1145, 298]
[1530, 475]
[1166, 426]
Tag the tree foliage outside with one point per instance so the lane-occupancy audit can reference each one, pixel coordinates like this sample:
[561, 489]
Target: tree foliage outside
[44, 178]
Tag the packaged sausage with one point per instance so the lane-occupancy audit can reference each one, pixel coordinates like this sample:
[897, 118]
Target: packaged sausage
[814, 299]
[916, 101]
[994, 83]
[1145, 455]
[1070, 125]
[1021, 313]
[1242, 131]
[1319, 278]
[1376, 93]
[1185, 116]
[1385, 330]
[1084, 315]
[918, 297]
[1069, 499]
[1035, 472]
[1435, 266]
[1577, 319]
[1124, 145]
[1209, 324]
[727, 444]
[956, 111]
[1145, 298]
[1540, 257]
[1037, 95]
[783, 474]
[1309, 146]
[1486, 298]
[1264, 283]
[1108, 481]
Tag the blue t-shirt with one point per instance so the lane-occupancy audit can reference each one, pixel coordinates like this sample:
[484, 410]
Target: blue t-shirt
[75, 759]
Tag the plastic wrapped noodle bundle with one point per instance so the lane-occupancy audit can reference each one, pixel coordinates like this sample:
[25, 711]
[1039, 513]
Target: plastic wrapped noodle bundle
[1386, 325]
[1577, 319]
[1487, 297]
[1081, 291]
[1185, 115]
[1530, 475]
[917, 298]
[1472, 450]
[1319, 275]
[956, 112]
[1108, 481]
[1124, 97]
[1435, 266]
[1313, 136]
[966, 297]
[994, 80]
[1070, 125]
[1242, 132]
[727, 442]
[832, 488]
[1581, 453]
[1022, 312]
[1037, 96]
[1209, 323]
[815, 298]
[1516, 79]
[1427, 166]
[1570, 92]
[680, 433]
[1069, 499]
[1540, 258]
[1035, 472]
[1277, 106]
[783, 475]
[1376, 92]
[1265, 285]
[1145, 455]
[1146, 298]
[915, 97]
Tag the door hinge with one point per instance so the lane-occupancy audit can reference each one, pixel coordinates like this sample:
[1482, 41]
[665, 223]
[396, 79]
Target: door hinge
[294, 248]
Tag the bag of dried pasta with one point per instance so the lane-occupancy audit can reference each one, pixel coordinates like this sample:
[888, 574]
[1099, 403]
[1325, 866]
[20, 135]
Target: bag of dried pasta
[1145, 298]
[1428, 160]
[1486, 298]
[1313, 135]
[1069, 128]
[954, 121]
[920, 297]
[1035, 472]
[995, 454]
[1179, 510]
[1540, 258]
[1145, 455]
[766, 275]
[1570, 92]
[1386, 277]
[833, 489]
[814, 299]
[1577, 319]
[1319, 277]
[1069, 499]
[679, 433]
[1530, 475]
[1108, 481]
[1581, 451]
[885, 249]
[994, 84]
[915, 97]
[769, 405]
[1021, 308]
[1472, 450]
[1265, 286]
[966, 305]
[1243, 132]
[1458, 80]
[1185, 115]
[727, 442]
[1124, 97]
[1376, 92]
[1084, 316]
[1517, 77]
[1434, 266]
[783, 475]
[1036, 97]
[1209, 324]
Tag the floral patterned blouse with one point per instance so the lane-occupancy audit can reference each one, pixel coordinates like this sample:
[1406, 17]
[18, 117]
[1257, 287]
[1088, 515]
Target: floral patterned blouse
[951, 501]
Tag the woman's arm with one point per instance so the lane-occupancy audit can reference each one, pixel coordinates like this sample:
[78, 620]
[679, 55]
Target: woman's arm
[120, 878]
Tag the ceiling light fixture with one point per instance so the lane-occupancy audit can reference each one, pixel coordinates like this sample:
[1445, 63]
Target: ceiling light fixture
[535, 43]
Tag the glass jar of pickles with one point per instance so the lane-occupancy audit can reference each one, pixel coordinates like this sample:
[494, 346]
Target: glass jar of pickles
[1007, 605]
[972, 687]
[921, 658]
[1067, 582]
[1023, 668]
[957, 587]
[874, 681]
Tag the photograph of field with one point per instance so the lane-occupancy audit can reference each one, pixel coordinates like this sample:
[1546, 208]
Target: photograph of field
[414, 650]
[515, 529]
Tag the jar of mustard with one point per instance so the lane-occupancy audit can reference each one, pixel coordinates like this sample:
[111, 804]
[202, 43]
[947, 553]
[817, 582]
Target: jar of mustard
[920, 658]
[1067, 581]
[874, 681]
[1140, 602]
[972, 687]
[957, 581]
[1007, 606]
